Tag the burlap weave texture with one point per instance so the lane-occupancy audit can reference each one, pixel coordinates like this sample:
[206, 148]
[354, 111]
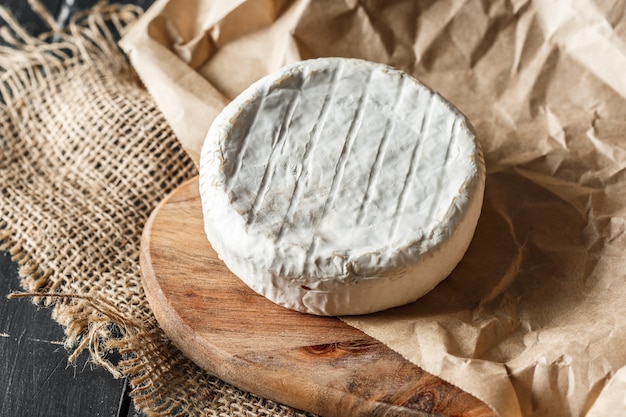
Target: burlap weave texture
[84, 158]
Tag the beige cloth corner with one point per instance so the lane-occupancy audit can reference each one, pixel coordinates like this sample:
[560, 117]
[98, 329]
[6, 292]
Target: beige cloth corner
[531, 319]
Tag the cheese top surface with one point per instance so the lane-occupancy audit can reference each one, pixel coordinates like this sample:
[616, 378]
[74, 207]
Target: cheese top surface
[332, 172]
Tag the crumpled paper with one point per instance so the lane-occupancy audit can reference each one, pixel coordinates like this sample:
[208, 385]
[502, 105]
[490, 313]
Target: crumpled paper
[532, 319]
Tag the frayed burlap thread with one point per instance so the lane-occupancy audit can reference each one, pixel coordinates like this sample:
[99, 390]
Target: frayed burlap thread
[85, 156]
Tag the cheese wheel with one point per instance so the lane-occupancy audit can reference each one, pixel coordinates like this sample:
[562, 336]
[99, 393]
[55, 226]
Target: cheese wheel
[340, 186]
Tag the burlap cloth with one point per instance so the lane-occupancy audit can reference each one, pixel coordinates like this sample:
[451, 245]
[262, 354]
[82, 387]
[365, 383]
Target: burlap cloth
[84, 158]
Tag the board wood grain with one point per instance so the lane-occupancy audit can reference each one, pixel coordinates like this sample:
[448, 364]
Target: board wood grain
[317, 364]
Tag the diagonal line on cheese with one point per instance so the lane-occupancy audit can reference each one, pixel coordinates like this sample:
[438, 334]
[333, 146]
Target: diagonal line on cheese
[309, 150]
[445, 168]
[423, 135]
[278, 142]
[257, 107]
[346, 150]
[380, 153]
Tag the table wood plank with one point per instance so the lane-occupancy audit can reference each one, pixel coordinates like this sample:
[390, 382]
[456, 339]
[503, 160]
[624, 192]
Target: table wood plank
[35, 376]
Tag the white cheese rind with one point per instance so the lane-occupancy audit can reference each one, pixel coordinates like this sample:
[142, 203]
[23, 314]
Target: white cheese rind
[338, 186]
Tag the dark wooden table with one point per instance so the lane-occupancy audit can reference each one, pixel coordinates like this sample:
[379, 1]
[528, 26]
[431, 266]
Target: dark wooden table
[36, 379]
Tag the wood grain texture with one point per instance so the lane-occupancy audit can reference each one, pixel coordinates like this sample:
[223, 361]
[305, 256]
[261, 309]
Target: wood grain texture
[318, 364]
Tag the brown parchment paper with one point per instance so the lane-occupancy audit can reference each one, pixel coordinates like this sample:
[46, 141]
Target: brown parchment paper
[532, 319]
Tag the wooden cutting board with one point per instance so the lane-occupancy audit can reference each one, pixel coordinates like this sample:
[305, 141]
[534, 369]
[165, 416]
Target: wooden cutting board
[317, 364]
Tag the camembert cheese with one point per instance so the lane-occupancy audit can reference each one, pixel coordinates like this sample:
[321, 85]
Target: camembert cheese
[339, 186]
